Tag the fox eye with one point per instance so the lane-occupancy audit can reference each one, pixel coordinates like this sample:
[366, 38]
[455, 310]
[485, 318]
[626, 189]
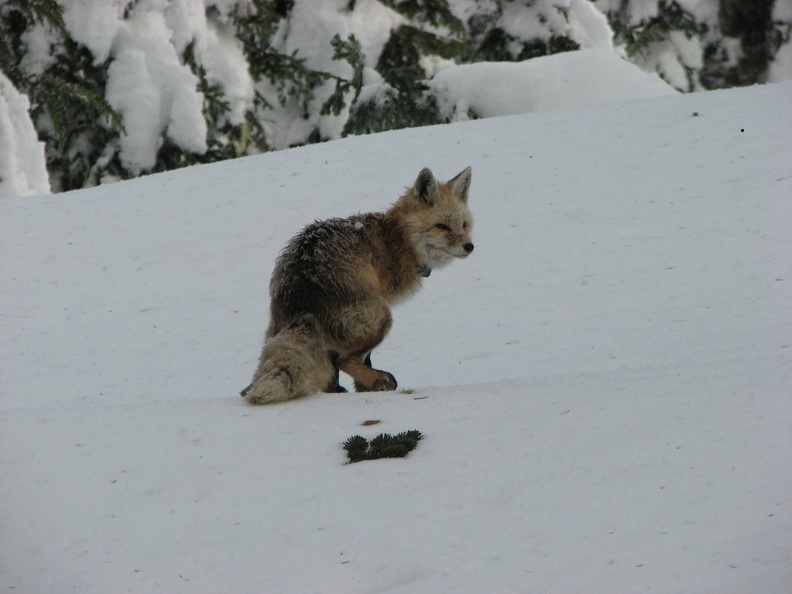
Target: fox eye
[465, 225]
[442, 227]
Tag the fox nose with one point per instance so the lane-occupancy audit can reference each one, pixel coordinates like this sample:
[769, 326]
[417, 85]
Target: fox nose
[468, 247]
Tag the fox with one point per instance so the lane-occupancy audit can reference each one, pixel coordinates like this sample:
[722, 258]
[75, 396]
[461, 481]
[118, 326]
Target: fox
[334, 283]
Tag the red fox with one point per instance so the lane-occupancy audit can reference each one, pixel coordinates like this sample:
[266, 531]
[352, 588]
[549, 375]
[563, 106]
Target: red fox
[334, 283]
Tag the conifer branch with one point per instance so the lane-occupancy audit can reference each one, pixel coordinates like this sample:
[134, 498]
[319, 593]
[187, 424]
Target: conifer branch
[383, 445]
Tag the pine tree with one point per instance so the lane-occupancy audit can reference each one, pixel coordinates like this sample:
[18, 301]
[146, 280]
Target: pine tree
[732, 45]
[84, 134]
[66, 98]
[401, 100]
[350, 51]
[288, 73]
[646, 40]
[749, 22]
[493, 42]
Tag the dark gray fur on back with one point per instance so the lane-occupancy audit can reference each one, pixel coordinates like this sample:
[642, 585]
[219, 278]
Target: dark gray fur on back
[313, 272]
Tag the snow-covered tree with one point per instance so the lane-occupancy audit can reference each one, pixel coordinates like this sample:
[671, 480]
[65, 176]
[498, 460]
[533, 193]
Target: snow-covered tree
[123, 87]
[23, 170]
[705, 44]
[118, 88]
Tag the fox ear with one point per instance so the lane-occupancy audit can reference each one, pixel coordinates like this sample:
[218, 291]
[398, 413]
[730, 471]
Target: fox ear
[460, 185]
[425, 188]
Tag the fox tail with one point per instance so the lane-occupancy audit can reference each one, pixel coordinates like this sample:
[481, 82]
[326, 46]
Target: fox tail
[293, 364]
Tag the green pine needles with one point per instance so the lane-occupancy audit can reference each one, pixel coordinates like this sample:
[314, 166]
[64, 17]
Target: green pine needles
[384, 445]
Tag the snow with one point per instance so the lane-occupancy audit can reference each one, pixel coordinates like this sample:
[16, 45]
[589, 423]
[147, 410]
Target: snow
[702, 10]
[572, 79]
[147, 82]
[153, 91]
[95, 24]
[226, 65]
[39, 42]
[186, 21]
[577, 19]
[588, 26]
[603, 386]
[782, 64]
[780, 68]
[23, 168]
[309, 31]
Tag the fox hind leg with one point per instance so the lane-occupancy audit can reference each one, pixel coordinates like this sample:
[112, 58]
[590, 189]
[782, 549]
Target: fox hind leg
[361, 328]
[358, 386]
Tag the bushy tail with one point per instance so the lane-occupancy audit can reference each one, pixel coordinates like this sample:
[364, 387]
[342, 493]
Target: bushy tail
[293, 363]
[270, 385]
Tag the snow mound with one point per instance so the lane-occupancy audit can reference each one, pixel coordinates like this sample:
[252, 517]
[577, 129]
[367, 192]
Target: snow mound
[568, 80]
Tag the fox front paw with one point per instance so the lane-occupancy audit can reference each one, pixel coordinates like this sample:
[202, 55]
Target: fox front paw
[385, 382]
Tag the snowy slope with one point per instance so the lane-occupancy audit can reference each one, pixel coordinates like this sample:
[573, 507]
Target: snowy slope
[604, 386]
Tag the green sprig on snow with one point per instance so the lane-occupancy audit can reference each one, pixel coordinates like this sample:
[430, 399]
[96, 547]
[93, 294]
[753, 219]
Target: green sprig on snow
[384, 445]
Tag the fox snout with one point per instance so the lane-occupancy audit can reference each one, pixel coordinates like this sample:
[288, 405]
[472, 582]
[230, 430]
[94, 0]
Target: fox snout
[461, 250]
[464, 252]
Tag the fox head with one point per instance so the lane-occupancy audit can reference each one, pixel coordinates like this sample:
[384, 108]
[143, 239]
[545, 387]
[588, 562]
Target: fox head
[437, 219]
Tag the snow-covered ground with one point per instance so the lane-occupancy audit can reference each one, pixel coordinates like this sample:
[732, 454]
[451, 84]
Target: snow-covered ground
[603, 387]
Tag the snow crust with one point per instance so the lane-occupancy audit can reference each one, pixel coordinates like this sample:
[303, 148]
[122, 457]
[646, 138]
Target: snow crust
[603, 386]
